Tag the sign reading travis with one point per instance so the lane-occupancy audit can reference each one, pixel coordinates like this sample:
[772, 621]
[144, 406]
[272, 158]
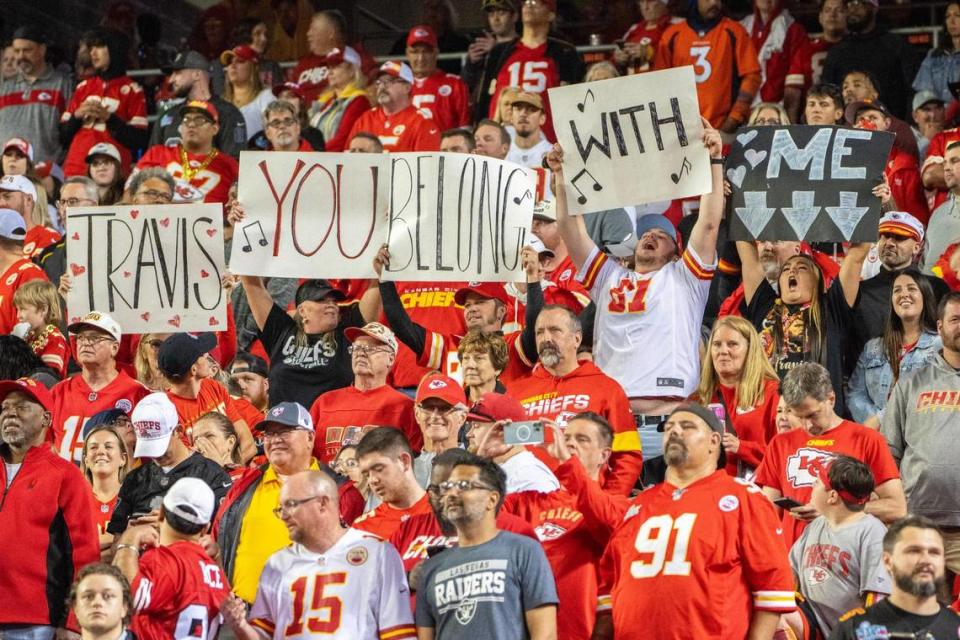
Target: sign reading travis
[154, 268]
[631, 140]
[810, 183]
[444, 216]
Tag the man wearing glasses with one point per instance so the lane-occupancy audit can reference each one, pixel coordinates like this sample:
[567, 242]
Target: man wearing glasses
[195, 159]
[246, 528]
[77, 191]
[343, 415]
[395, 121]
[334, 581]
[282, 127]
[100, 385]
[494, 584]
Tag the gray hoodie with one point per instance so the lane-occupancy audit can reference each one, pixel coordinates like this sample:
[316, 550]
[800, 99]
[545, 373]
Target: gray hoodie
[922, 427]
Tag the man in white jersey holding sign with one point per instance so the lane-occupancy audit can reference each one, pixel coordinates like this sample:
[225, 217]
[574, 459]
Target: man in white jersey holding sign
[332, 582]
[647, 328]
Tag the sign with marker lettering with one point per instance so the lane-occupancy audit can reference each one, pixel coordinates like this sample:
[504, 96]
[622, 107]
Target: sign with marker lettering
[804, 182]
[444, 216]
[154, 268]
[631, 140]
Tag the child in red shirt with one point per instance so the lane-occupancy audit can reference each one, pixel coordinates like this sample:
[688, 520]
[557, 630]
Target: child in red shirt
[38, 306]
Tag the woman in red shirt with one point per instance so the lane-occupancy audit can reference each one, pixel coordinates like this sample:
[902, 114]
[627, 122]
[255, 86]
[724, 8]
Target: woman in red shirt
[738, 376]
[104, 463]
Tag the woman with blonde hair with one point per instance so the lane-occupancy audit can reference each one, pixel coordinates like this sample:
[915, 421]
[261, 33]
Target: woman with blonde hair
[504, 112]
[738, 376]
[105, 462]
[344, 102]
[145, 361]
[768, 114]
[243, 88]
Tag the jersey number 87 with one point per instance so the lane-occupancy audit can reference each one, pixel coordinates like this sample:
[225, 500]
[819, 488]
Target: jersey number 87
[654, 537]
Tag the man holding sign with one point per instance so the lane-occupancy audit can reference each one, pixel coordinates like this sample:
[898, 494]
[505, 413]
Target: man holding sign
[661, 302]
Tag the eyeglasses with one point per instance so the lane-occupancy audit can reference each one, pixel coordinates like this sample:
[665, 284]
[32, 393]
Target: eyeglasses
[92, 339]
[75, 202]
[288, 507]
[196, 121]
[349, 463]
[384, 81]
[363, 350]
[435, 410]
[462, 485]
[156, 195]
[279, 434]
[286, 122]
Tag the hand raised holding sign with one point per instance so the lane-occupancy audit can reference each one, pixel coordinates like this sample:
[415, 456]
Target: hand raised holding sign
[382, 260]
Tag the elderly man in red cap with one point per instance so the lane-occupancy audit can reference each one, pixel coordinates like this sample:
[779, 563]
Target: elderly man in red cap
[441, 410]
[395, 121]
[46, 508]
[442, 96]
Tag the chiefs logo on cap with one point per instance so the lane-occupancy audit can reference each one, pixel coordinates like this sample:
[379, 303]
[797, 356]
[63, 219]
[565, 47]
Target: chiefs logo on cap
[437, 384]
[420, 33]
[276, 411]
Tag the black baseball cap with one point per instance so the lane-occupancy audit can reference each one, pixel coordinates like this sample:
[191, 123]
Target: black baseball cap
[249, 363]
[30, 32]
[317, 290]
[178, 352]
[708, 416]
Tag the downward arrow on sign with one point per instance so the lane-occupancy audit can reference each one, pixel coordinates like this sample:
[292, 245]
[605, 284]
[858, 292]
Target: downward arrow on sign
[848, 215]
[802, 214]
[755, 214]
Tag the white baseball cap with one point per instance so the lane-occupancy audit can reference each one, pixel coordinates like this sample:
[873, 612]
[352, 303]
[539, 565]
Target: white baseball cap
[21, 184]
[191, 499]
[154, 421]
[12, 226]
[97, 320]
[376, 331]
[545, 210]
[103, 149]
[537, 245]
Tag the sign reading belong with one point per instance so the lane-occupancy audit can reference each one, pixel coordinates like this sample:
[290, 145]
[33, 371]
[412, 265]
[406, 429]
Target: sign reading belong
[154, 268]
[444, 216]
[803, 182]
[631, 140]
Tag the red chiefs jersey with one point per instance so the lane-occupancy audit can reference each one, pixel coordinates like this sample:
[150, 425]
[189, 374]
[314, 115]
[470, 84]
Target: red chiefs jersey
[573, 547]
[721, 58]
[586, 388]
[212, 396]
[936, 152]
[440, 353]
[342, 416]
[906, 186]
[213, 181]
[431, 305]
[16, 274]
[385, 520]
[573, 298]
[754, 427]
[405, 130]
[74, 402]
[444, 98]
[122, 97]
[777, 43]
[806, 67]
[311, 74]
[177, 593]
[38, 238]
[786, 464]
[51, 347]
[696, 562]
[416, 534]
[102, 512]
[533, 71]
[649, 37]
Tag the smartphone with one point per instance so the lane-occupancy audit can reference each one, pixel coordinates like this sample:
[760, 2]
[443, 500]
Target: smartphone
[720, 411]
[526, 432]
[787, 503]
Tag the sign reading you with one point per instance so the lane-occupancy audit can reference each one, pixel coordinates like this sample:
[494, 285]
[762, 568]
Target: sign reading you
[154, 268]
[631, 140]
[810, 183]
[444, 216]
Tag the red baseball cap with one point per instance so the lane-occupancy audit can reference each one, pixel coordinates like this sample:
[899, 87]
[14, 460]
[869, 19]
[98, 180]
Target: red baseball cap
[201, 106]
[494, 406]
[441, 387]
[339, 56]
[32, 388]
[820, 468]
[422, 34]
[293, 87]
[488, 290]
[243, 53]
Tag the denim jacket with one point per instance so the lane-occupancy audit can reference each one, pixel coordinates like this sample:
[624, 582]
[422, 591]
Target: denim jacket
[872, 380]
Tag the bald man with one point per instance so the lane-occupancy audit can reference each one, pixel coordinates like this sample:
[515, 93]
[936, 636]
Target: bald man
[361, 572]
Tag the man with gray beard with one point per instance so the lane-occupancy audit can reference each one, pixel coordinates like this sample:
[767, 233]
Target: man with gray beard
[561, 386]
[913, 555]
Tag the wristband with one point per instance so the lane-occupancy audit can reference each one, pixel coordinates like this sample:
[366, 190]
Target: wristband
[122, 545]
[717, 160]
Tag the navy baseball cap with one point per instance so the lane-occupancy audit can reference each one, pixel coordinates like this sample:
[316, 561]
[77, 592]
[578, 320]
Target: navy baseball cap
[288, 414]
[178, 352]
[105, 417]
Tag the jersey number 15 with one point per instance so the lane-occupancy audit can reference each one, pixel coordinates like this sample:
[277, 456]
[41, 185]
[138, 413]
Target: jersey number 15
[328, 609]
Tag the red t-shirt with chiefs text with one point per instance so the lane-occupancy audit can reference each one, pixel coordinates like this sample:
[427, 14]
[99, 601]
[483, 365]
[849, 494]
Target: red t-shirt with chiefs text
[786, 464]
[213, 181]
[342, 416]
[444, 98]
[385, 520]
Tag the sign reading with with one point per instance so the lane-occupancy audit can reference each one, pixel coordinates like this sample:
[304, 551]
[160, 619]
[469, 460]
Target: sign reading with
[154, 268]
[810, 183]
[631, 140]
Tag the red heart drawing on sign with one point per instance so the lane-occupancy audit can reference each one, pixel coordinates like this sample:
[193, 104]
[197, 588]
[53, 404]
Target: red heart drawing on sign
[213, 321]
[211, 232]
[134, 213]
[75, 236]
[146, 316]
[175, 321]
[77, 269]
[165, 222]
[204, 274]
[127, 274]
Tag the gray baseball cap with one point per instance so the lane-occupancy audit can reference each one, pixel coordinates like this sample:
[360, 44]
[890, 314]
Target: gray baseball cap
[188, 60]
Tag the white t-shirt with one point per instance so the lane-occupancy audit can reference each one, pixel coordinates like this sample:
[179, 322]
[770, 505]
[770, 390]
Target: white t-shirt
[532, 157]
[525, 472]
[12, 471]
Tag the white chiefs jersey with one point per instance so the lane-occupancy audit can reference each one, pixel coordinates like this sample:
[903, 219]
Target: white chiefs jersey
[357, 590]
[647, 331]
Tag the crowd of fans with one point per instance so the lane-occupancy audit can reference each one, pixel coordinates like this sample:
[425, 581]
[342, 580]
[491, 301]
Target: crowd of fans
[656, 433]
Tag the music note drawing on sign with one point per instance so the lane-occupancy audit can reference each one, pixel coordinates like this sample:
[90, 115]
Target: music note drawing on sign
[520, 199]
[582, 105]
[582, 199]
[686, 166]
[263, 237]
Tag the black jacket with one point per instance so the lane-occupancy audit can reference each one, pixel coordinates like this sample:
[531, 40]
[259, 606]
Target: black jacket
[143, 490]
